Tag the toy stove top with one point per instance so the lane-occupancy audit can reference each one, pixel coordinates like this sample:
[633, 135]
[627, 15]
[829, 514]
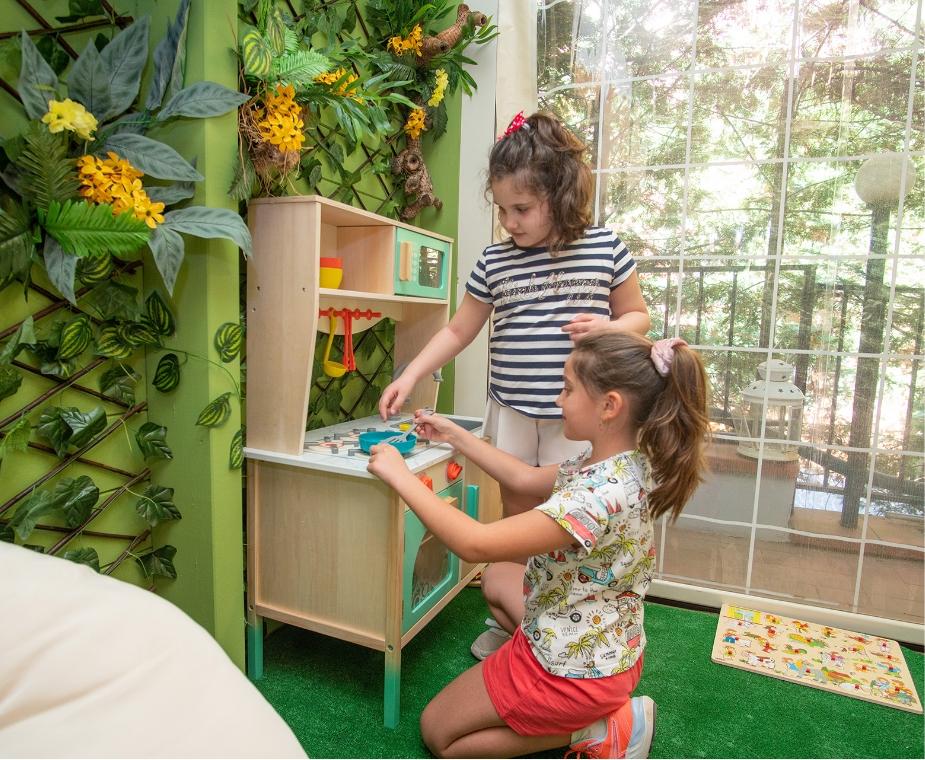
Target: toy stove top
[336, 449]
[344, 440]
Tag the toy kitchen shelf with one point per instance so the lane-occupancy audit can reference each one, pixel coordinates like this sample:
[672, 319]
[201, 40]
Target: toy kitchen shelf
[331, 548]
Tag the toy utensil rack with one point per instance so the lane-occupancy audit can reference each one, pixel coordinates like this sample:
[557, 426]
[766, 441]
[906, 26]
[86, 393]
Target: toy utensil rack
[348, 315]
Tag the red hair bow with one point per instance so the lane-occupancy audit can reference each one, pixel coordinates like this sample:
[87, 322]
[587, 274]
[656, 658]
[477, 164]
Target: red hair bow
[516, 123]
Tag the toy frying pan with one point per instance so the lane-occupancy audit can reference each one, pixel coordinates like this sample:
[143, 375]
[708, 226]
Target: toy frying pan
[372, 437]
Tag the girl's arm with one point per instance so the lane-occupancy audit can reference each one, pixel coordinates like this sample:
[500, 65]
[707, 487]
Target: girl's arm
[628, 310]
[514, 537]
[465, 324]
[507, 469]
[628, 313]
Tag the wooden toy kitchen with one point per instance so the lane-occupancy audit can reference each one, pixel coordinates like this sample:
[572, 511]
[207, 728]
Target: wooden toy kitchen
[331, 548]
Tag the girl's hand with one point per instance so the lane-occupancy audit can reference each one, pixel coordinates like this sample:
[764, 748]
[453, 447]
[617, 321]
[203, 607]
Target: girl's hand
[394, 396]
[583, 325]
[386, 463]
[434, 427]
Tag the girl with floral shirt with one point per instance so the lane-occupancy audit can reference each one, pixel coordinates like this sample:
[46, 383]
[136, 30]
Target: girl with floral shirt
[566, 675]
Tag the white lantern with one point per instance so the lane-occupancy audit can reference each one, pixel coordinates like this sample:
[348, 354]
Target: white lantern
[774, 401]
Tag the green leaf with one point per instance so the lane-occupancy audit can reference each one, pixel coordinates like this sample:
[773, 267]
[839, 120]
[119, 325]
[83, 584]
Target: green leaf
[168, 57]
[86, 556]
[125, 58]
[24, 336]
[61, 268]
[16, 438]
[109, 342]
[159, 314]
[141, 333]
[216, 412]
[40, 504]
[205, 222]
[256, 55]
[47, 172]
[152, 157]
[37, 80]
[92, 270]
[53, 53]
[152, 440]
[63, 368]
[84, 425]
[159, 562]
[202, 100]
[170, 194]
[113, 300]
[229, 340]
[76, 497]
[16, 245]
[88, 82]
[167, 374]
[242, 185]
[6, 533]
[75, 337]
[156, 505]
[299, 68]
[236, 450]
[80, 9]
[54, 429]
[119, 381]
[87, 229]
[10, 380]
[168, 249]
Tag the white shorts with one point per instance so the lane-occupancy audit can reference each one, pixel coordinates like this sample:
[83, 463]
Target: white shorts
[536, 442]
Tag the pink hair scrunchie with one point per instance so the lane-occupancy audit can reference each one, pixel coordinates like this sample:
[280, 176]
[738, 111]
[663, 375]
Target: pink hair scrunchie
[663, 354]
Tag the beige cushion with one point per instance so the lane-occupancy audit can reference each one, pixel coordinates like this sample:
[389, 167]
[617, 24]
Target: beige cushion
[94, 667]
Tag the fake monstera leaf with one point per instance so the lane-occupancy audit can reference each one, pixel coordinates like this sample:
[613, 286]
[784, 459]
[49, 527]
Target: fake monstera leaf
[86, 229]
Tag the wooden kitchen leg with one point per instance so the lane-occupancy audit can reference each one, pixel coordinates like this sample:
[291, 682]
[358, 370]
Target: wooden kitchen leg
[392, 691]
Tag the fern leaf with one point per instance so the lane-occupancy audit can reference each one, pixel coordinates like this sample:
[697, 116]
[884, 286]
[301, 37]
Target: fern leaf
[16, 244]
[300, 67]
[47, 172]
[87, 229]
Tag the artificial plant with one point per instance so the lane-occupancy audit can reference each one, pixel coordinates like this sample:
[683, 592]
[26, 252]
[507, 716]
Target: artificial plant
[78, 203]
[293, 84]
[413, 47]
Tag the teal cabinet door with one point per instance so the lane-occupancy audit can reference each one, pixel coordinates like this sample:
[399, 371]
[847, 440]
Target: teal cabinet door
[429, 568]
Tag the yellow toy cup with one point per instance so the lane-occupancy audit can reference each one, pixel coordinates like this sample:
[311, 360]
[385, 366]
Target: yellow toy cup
[331, 273]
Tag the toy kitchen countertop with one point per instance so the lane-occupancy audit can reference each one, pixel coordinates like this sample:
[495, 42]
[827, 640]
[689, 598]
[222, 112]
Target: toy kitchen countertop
[337, 448]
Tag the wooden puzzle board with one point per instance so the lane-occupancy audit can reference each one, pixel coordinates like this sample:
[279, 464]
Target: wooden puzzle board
[844, 662]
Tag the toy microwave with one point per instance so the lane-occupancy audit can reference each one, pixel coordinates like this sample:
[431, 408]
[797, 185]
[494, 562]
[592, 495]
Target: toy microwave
[422, 264]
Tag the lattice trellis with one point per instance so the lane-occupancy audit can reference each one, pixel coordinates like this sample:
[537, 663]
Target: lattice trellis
[117, 534]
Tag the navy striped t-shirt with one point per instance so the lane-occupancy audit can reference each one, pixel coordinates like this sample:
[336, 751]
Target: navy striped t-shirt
[534, 294]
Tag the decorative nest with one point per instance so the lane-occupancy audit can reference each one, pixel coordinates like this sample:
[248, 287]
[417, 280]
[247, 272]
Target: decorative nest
[271, 164]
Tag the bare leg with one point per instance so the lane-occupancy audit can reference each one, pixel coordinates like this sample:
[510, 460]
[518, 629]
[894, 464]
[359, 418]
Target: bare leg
[461, 721]
[502, 587]
[513, 502]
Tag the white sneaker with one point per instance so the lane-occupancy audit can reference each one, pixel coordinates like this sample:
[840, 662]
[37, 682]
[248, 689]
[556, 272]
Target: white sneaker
[490, 640]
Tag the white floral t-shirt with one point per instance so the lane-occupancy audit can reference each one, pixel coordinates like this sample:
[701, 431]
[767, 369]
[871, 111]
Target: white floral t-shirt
[584, 604]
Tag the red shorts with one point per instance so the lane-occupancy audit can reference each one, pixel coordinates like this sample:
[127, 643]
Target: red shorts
[534, 702]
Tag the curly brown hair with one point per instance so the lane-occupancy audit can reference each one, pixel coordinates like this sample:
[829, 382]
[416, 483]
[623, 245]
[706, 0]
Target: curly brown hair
[545, 158]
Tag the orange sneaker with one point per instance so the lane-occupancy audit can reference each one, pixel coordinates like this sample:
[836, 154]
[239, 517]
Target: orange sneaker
[629, 733]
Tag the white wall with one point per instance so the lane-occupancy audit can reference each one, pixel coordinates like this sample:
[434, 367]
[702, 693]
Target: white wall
[475, 214]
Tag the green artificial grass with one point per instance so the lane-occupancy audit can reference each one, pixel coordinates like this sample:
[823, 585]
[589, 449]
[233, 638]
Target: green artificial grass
[330, 693]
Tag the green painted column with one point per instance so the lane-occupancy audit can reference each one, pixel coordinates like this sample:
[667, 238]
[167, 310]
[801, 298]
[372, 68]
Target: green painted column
[209, 538]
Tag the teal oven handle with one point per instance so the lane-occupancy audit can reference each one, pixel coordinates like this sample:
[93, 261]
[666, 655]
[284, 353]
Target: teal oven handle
[472, 502]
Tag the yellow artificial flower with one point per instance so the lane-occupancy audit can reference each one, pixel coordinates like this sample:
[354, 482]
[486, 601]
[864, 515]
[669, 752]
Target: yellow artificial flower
[412, 43]
[66, 114]
[442, 79]
[415, 124]
[280, 121]
[344, 89]
[150, 212]
[115, 181]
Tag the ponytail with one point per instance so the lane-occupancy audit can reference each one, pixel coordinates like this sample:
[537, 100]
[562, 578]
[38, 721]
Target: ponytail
[669, 410]
[673, 435]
